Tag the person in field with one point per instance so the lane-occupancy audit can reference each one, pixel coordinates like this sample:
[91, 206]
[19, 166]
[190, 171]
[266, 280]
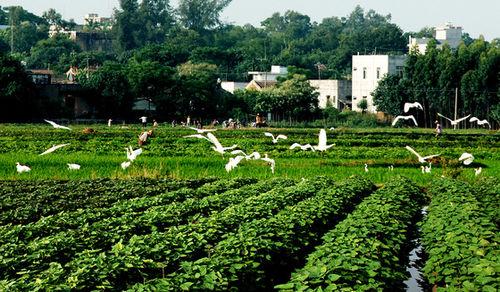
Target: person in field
[439, 130]
[143, 137]
[144, 121]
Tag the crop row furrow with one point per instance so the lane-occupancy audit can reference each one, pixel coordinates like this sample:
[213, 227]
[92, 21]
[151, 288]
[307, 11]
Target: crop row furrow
[35, 255]
[461, 241]
[263, 251]
[157, 253]
[368, 250]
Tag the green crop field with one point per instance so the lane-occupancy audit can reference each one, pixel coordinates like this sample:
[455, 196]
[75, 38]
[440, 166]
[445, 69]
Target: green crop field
[175, 219]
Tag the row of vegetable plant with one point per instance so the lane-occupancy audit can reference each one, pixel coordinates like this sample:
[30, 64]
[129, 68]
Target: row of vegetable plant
[261, 252]
[33, 256]
[368, 250]
[460, 240]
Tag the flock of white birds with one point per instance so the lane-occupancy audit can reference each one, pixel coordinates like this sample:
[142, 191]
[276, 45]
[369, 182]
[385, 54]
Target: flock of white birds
[409, 105]
[233, 162]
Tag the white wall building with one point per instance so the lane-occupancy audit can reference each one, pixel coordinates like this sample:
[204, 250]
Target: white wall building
[231, 86]
[367, 71]
[276, 71]
[445, 34]
[335, 92]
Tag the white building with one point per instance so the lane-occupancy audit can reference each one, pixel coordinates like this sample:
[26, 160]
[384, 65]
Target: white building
[445, 34]
[231, 86]
[263, 76]
[334, 92]
[95, 19]
[367, 70]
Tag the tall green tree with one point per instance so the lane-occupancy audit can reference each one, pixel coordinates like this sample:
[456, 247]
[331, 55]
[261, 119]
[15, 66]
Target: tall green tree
[157, 19]
[127, 28]
[201, 15]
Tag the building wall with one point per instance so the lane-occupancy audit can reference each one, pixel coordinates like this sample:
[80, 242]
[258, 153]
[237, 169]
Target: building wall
[332, 91]
[231, 86]
[367, 71]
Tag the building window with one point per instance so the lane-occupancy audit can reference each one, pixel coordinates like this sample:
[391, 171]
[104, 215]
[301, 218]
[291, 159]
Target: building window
[378, 72]
[364, 73]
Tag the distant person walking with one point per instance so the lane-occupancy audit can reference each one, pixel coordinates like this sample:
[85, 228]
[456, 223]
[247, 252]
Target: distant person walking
[439, 130]
[144, 121]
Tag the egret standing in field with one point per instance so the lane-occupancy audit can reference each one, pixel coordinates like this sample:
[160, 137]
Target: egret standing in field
[409, 105]
[125, 164]
[420, 158]
[54, 148]
[57, 126]
[322, 141]
[275, 140]
[479, 122]
[410, 117]
[366, 167]
[477, 171]
[466, 158]
[22, 168]
[73, 166]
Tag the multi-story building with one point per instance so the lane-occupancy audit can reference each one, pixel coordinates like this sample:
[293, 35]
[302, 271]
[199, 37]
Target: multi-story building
[336, 93]
[367, 71]
[445, 34]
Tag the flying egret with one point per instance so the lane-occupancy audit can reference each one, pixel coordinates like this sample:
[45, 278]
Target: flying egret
[410, 117]
[409, 105]
[22, 168]
[217, 145]
[202, 131]
[420, 158]
[322, 141]
[270, 161]
[366, 167]
[132, 154]
[480, 122]
[275, 140]
[233, 162]
[54, 148]
[125, 164]
[454, 122]
[73, 166]
[466, 158]
[57, 126]
[199, 136]
[253, 155]
[477, 171]
[302, 147]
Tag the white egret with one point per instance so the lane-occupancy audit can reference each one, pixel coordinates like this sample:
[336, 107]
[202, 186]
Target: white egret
[428, 168]
[217, 145]
[454, 122]
[253, 155]
[125, 164]
[410, 117]
[233, 162]
[199, 136]
[270, 161]
[366, 167]
[422, 168]
[73, 166]
[302, 147]
[409, 105]
[332, 128]
[477, 171]
[54, 148]
[391, 167]
[132, 154]
[480, 122]
[57, 126]
[420, 158]
[322, 142]
[275, 140]
[466, 158]
[202, 131]
[22, 168]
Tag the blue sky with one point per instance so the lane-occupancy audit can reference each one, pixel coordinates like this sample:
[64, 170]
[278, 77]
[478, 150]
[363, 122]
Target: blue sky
[476, 17]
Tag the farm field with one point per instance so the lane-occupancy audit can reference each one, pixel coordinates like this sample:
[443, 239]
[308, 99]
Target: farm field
[176, 220]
